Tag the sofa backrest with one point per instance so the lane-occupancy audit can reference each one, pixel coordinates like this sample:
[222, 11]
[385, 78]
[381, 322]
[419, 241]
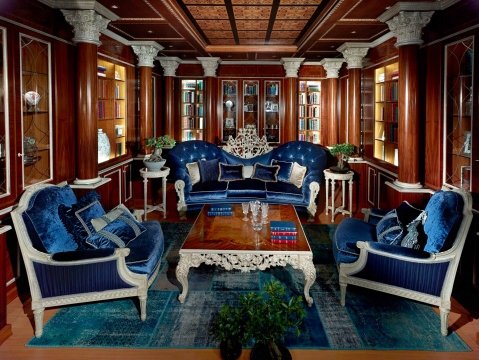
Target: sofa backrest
[42, 220]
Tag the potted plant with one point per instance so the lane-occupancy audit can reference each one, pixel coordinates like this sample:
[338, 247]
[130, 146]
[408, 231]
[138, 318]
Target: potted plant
[154, 161]
[269, 316]
[228, 328]
[343, 152]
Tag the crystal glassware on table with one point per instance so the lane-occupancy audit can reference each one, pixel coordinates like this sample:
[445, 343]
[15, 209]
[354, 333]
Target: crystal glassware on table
[264, 213]
[255, 206]
[245, 207]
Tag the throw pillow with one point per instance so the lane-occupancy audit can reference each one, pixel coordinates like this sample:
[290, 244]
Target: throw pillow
[414, 238]
[285, 168]
[407, 213]
[267, 173]
[87, 213]
[120, 210]
[194, 172]
[247, 171]
[230, 172]
[389, 229]
[297, 174]
[209, 170]
[117, 233]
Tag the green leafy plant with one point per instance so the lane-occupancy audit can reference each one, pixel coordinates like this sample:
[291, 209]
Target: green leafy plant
[160, 142]
[263, 318]
[343, 152]
[228, 328]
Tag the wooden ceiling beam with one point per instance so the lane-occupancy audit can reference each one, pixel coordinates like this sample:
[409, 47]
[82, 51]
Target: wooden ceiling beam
[251, 48]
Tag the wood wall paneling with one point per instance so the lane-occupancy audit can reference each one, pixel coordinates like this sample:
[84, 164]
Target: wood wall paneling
[289, 127]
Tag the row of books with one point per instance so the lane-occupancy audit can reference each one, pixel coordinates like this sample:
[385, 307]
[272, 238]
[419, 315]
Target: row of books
[311, 137]
[312, 124]
[283, 232]
[193, 85]
[220, 210]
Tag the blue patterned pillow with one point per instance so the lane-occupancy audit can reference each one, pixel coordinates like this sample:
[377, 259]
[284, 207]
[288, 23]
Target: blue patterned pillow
[285, 169]
[209, 170]
[266, 173]
[230, 172]
[118, 232]
[389, 229]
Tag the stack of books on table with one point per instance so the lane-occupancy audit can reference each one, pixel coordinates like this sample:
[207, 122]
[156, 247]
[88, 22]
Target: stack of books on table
[283, 232]
[220, 210]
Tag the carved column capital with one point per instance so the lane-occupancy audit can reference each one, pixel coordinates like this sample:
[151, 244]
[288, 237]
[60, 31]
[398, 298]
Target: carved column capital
[169, 65]
[354, 56]
[291, 66]
[332, 66]
[407, 27]
[87, 25]
[209, 64]
[146, 53]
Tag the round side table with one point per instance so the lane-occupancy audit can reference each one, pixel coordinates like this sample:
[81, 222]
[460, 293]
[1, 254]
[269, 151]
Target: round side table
[332, 177]
[146, 174]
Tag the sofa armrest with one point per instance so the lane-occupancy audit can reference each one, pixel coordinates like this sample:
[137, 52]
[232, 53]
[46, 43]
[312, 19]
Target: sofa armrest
[82, 254]
[395, 250]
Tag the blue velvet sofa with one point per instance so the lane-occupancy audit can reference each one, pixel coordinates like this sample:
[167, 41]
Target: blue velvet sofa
[273, 177]
[75, 252]
[408, 252]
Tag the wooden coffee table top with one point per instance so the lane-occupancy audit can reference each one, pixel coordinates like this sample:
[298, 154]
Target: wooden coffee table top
[231, 234]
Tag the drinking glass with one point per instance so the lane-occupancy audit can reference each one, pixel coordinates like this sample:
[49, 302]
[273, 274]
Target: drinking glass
[245, 207]
[256, 221]
[255, 206]
[264, 213]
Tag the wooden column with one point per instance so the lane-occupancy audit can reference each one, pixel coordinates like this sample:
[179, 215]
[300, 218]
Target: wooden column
[146, 52]
[289, 126]
[332, 67]
[87, 25]
[407, 26]
[354, 54]
[408, 129]
[169, 64]
[210, 65]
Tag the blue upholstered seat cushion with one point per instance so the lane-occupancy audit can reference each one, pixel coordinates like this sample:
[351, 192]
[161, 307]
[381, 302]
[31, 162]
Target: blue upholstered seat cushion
[230, 172]
[72, 223]
[44, 226]
[285, 168]
[348, 232]
[267, 173]
[146, 250]
[247, 188]
[209, 170]
[444, 214]
[389, 229]
[283, 192]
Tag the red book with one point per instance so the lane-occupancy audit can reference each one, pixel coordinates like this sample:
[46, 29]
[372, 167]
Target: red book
[284, 233]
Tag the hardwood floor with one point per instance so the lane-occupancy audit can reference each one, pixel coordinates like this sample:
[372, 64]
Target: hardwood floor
[464, 321]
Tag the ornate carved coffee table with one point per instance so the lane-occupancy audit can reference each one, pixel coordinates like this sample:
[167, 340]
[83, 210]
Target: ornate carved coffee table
[230, 242]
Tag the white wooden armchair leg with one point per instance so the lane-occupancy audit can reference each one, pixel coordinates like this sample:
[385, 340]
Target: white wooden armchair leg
[142, 307]
[444, 316]
[38, 318]
[342, 288]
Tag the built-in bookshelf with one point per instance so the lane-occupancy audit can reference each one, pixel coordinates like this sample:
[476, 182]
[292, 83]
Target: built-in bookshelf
[272, 126]
[230, 113]
[192, 109]
[309, 111]
[250, 103]
[386, 113]
[111, 107]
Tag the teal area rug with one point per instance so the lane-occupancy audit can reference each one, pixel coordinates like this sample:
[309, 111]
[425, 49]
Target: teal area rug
[370, 320]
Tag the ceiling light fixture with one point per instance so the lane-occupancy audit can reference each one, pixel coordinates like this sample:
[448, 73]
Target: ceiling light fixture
[150, 31]
[353, 32]
[114, 6]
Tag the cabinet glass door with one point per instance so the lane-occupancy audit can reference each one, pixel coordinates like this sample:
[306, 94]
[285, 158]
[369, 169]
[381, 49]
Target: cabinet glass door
[230, 113]
[271, 111]
[250, 104]
[458, 113]
[36, 114]
[4, 129]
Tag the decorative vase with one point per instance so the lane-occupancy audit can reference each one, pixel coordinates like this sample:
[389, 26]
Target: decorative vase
[154, 161]
[103, 146]
[262, 352]
[230, 349]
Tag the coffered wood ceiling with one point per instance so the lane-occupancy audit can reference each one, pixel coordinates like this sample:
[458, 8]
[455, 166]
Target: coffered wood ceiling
[252, 30]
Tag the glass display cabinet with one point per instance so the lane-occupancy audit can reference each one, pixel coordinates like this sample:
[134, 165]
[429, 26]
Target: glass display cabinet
[230, 113]
[250, 104]
[35, 58]
[271, 111]
[458, 114]
[4, 128]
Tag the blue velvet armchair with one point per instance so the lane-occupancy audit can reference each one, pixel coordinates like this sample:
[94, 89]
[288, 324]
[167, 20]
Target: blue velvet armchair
[407, 252]
[75, 265]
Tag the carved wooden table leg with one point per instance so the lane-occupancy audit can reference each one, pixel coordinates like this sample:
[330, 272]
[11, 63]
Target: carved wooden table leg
[182, 271]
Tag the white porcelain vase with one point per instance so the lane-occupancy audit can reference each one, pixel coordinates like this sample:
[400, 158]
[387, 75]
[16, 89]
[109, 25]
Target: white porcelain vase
[103, 146]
